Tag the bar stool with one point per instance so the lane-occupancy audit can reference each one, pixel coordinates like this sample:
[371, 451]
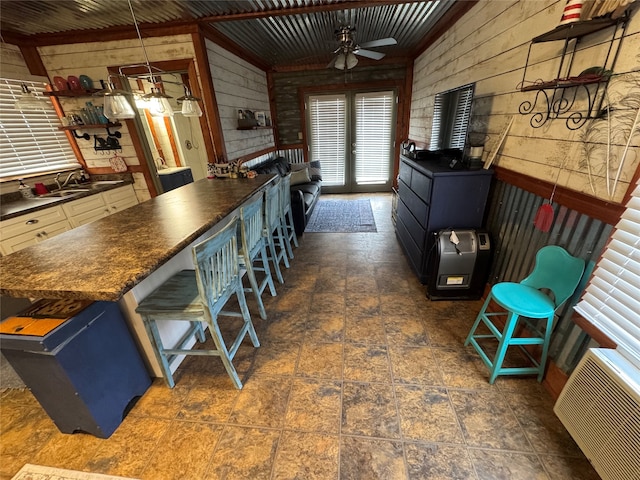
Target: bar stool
[286, 214]
[197, 297]
[252, 246]
[532, 302]
[273, 229]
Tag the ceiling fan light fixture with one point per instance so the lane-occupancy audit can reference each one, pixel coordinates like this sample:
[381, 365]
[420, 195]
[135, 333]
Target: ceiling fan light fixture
[340, 62]
[352, 61]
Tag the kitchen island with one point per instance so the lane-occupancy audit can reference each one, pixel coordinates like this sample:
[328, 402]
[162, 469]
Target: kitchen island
[123, 257]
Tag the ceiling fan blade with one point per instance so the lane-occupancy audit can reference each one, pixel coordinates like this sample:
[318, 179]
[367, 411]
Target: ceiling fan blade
[369, 54]
[381, 42]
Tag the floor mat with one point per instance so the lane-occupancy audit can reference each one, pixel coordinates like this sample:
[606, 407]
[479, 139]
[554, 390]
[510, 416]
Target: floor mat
[342, 216]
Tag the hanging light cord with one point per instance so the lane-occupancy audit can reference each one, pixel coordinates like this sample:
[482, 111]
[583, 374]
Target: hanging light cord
[144, 50]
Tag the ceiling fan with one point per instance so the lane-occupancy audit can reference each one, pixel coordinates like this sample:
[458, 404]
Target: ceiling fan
[347, 50]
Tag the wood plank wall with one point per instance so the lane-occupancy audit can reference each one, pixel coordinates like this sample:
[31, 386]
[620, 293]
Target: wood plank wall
[239, 86]
[288, 85]
[92, 59]
[489, 46]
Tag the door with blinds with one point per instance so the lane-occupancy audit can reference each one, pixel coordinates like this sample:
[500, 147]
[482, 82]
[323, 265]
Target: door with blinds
[352, 135]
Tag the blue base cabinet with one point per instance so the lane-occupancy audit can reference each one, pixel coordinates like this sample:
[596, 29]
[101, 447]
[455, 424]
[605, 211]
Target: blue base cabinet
[86, 373]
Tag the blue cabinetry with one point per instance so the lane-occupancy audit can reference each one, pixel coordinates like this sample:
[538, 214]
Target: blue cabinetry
[172, 178]
[82, 364]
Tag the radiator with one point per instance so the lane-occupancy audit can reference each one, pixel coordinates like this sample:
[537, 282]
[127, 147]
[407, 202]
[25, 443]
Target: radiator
[600, 407]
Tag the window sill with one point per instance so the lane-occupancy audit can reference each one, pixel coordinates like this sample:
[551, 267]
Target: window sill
[593, 331]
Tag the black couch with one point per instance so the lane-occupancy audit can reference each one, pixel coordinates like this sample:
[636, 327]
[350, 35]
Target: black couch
[304, 196]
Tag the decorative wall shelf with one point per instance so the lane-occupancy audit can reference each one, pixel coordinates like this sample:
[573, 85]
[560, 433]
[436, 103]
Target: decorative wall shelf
[72, 93]
[256, 127]
[579, 98]
[84, 127]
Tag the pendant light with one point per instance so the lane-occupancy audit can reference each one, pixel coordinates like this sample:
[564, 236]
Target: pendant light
[190, 106]
[116, 106]
[159, 105]
[29, 100]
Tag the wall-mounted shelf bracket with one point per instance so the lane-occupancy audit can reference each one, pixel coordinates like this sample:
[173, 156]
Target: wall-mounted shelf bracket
[84, 136]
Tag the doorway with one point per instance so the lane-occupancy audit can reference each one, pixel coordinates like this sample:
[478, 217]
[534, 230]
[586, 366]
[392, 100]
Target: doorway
[352, 134]
[174, 141]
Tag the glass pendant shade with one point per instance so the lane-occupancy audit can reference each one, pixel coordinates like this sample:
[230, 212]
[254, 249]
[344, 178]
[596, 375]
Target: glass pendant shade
[340, 62]
[117, 107]
[160, 107]
[351, 61]
[190, 108]
[29, 101]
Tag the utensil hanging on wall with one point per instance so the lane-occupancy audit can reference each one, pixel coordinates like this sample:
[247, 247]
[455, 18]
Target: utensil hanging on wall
[546, 214]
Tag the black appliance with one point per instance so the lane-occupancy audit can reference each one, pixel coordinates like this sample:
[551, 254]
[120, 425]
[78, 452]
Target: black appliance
[460, 265]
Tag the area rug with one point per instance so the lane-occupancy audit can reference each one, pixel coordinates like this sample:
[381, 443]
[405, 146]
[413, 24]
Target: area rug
[39, 472]
[342, 216]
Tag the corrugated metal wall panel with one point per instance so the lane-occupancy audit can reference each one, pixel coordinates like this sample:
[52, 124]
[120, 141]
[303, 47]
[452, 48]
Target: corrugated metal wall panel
[510, 220]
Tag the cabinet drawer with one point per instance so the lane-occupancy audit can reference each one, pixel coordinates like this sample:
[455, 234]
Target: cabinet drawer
[31, 222]
[421, 185]
[44, 232]
[413, 252]
[416, 206]
[118, 195]
[415, 230]
[120, 198]
[405, 173]
[84, 205]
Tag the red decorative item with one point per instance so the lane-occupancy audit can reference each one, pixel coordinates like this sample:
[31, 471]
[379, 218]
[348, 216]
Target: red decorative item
[572, 12]
[74, 82]
[60, 84]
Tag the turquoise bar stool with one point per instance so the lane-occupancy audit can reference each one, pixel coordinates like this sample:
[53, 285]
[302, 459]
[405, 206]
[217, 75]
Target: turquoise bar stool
[286, 215]
[197, 297]
[273, 231]
[555, 272]
[253, 249]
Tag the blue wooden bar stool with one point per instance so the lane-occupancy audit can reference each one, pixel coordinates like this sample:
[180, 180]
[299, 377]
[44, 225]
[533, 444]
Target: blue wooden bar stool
[273, 231]
[253, 249]
[286, 214]
[555, 271]
[199, 296]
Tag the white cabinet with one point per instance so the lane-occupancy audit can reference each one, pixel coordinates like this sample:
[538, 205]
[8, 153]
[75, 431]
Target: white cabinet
[25, 230]
[120, 198]
[20, 232]
[85, 210]
[88, 209]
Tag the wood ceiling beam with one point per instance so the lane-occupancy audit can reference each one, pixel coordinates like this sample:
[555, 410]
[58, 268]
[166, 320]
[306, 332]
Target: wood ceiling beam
[450, 17]
[279, 12]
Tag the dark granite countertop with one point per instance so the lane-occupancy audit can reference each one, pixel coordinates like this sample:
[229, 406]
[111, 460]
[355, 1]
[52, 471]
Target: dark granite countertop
[14, 205]
[105, 259]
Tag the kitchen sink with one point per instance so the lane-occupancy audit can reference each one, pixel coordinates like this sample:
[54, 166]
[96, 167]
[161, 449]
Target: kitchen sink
[106, 182]
[64, 193]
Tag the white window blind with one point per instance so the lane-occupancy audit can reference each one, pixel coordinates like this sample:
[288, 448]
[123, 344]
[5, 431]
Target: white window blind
[30, 141]
[611, 301]
[374, 129]
[451, 116]
[327, 118]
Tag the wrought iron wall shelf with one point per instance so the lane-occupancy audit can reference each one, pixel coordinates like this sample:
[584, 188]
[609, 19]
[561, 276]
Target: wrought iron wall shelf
[579, 98]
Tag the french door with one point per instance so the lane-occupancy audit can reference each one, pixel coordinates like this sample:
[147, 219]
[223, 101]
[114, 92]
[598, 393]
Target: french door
[352, 134]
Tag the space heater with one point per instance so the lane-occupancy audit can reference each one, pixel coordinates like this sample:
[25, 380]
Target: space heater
[600, 407]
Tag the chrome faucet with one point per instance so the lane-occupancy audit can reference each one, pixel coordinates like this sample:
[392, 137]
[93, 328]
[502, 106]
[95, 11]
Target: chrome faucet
[72, 175]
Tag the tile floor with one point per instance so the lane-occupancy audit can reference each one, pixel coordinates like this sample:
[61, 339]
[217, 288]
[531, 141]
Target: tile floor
[359, 376]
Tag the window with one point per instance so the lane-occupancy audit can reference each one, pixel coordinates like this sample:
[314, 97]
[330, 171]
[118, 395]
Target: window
[327, 115]
[451, 114]
[374, 137]
[30, 141]
[611, 301]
